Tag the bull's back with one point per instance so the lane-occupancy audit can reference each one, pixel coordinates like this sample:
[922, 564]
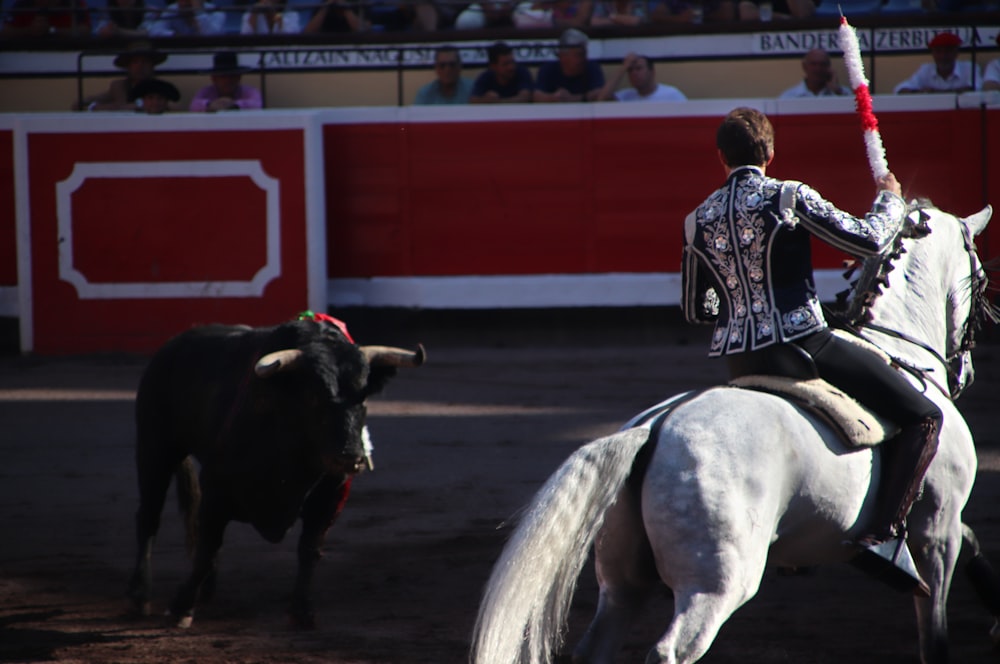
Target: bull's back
[183, 391]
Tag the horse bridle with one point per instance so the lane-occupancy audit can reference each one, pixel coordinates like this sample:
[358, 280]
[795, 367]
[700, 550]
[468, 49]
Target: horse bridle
[978, 310]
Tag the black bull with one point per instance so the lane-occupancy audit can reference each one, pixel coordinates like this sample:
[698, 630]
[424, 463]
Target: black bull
[275, 416]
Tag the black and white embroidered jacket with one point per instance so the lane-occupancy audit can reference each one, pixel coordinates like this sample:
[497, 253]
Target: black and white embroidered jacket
[747, 259]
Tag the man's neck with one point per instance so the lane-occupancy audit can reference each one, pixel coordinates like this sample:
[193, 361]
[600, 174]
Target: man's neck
[814, 87]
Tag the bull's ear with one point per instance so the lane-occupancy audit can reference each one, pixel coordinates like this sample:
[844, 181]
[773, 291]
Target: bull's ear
[378, 378]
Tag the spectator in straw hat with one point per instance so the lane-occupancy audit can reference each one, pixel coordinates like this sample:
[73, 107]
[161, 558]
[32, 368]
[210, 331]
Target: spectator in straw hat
[946, 73]
[226, 92]
[139, 60]
[991, 77]
[155, 94]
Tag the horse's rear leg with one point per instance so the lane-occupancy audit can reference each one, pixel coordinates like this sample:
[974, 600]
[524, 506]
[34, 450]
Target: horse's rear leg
[627, 576]
[698, 617]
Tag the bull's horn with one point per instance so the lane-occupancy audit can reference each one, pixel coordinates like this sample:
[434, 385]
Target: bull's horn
[277, 361]
[396, 357]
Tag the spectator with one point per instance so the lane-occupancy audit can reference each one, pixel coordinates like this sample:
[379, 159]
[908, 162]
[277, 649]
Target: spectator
[37, 18]
[820, 80]
[505, 81]
[644, 85]
[336, 16]
[139, 60]
[155, 93]
[572, 13]
[450, 87]
[553, 14]
[356, 16]
[693, 11]
[126, 18]
[486, 15]
[620, 12]
[749, 10]
[226, 92]
[189, 17]
[946, 73]
[572, 77]
[270, 17]
[991, 77]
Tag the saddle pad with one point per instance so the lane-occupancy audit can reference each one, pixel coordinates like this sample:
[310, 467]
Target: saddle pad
[858, 426]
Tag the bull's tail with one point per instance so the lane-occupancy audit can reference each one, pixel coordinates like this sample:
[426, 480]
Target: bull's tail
[525, 604]
[188, 500]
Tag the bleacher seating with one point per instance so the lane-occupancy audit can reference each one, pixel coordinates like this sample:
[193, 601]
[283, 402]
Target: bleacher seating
[848, 8]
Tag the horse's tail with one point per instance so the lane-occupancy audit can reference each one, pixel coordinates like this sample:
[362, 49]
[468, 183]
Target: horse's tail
[188, 500]
[524, 608]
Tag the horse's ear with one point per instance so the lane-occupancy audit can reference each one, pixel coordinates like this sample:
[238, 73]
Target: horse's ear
[977, 222]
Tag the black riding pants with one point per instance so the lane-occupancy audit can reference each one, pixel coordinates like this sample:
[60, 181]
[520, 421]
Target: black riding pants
[866, 377]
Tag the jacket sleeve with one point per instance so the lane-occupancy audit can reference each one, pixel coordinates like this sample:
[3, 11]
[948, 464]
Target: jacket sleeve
[867, 236]
[699, 301]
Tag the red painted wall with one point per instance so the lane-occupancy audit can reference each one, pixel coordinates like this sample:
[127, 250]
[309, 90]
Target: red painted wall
[603, 195]
[161, 230]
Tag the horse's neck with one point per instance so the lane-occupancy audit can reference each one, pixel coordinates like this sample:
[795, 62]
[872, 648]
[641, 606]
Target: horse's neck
[912, 305]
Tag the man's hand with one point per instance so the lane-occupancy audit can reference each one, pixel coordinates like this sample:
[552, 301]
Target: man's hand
[888, 182]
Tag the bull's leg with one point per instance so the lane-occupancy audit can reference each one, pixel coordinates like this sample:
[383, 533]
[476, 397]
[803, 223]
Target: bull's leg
[154, 470]
[212, 521]
[320, 510]
[627, 576]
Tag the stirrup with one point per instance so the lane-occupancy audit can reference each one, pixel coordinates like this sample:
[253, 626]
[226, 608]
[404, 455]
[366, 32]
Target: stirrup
[890, 561]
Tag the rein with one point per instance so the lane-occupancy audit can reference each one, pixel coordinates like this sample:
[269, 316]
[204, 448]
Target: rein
[919, 372]
[978, 309]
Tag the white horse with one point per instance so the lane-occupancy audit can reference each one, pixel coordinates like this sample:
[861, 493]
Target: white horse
[740, 479]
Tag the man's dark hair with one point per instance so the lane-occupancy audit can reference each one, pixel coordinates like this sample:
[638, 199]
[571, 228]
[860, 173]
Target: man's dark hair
[498, 50]
[746, 138]
[446, 50]
[649, 62]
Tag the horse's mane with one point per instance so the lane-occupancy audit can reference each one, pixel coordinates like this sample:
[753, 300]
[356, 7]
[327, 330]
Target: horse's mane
[853, 306]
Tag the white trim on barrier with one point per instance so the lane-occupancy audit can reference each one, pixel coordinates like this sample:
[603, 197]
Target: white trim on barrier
[87, 290]
[529, 291]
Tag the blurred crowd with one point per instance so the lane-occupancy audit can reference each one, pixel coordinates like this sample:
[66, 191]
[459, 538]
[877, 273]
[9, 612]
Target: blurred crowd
[571, 76]
[164, 18]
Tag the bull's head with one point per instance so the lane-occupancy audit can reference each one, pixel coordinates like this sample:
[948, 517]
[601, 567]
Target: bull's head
[327, 388]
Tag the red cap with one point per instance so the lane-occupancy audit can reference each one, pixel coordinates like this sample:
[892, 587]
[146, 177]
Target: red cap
[945, 39]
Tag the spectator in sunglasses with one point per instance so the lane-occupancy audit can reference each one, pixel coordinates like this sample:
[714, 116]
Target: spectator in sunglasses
[448, 87]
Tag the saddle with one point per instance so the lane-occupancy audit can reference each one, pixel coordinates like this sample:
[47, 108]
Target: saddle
[788, 371]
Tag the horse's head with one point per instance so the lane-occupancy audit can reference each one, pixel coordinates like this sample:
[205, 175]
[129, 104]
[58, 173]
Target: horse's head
[901, 294]
[969, 305]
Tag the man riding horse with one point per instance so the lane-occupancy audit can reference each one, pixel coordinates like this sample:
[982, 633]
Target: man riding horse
[748, 269]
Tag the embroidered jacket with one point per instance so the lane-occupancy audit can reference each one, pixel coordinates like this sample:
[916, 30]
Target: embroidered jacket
[747, 258]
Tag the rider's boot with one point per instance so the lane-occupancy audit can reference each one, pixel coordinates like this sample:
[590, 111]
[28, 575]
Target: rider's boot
[883, 548]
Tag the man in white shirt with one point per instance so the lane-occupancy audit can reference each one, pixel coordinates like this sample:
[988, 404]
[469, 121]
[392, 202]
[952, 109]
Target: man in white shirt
[642, 76]
[946, 73]
[819, 81]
